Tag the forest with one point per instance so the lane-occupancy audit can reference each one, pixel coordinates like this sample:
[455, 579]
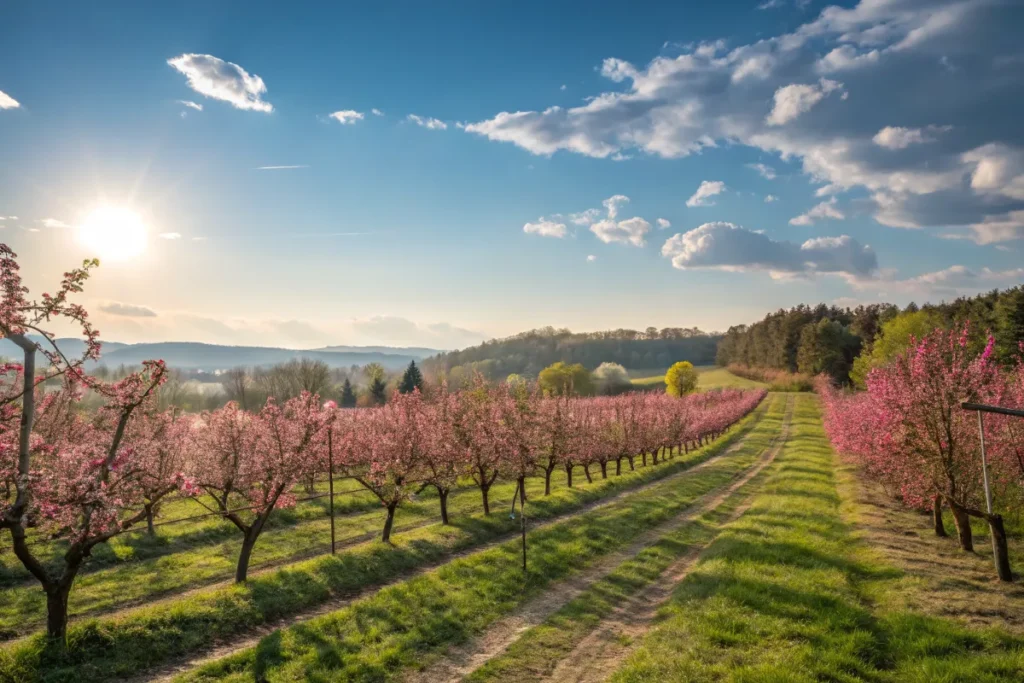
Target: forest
[845, 343]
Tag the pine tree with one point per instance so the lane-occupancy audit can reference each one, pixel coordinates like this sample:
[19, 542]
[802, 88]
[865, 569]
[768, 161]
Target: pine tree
[378, 390]
[411, 380]
[348, 396]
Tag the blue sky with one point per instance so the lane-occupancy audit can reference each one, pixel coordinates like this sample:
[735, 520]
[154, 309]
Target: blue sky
[884, 131]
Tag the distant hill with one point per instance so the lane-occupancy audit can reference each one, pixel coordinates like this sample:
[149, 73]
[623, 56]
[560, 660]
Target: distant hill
[530, 352]
[210, 357]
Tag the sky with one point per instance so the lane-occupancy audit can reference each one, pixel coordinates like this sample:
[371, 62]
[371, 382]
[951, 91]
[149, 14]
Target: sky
[435, 174]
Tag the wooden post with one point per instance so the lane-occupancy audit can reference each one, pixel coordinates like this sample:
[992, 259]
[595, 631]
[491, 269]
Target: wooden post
[330, 481]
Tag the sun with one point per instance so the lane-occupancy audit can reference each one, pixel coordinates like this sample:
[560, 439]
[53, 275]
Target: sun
[113, 233]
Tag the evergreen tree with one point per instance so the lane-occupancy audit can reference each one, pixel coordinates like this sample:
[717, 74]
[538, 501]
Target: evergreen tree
[378, 390]
[411, 380]
[348, 396]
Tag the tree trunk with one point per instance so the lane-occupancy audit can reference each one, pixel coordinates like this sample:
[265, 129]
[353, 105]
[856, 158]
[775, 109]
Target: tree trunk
[57, 610]
[643, 456]
[149, 520]
[618, 466]
[654, 457]
[604, 470]
[568, 474]
[686, 446]
[389, 523]
[940, 528]
[442, 495]
[547, 481]
[963, 526]
[522, 519]
[999, 549]
[484, 489]
[248, 543]
[586, 471]
[631, 465]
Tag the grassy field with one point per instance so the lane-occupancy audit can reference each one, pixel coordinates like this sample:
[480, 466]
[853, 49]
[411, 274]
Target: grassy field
[405, 625]
[149, 636]
[788, 593]
[709, 377]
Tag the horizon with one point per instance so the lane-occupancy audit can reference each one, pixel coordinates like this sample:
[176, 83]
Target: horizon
[439, 177]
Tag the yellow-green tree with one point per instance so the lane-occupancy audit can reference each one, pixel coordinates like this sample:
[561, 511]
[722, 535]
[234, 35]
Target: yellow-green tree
[562, 379]
[893, 339]
[681, 379]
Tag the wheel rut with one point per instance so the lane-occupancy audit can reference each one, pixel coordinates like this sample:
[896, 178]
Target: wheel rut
[461, 661]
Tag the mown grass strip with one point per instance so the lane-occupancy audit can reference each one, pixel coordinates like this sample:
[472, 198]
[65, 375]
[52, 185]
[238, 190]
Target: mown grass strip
[145, 638]
[536, 653]
[411, 623]
[780, 596]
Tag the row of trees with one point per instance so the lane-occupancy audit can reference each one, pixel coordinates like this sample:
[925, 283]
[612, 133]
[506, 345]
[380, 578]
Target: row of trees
[530, 352]
[909, 432]
[846, 343]
[87, 476]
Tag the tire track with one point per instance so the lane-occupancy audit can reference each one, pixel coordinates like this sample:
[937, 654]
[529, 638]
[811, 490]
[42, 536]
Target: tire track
[466, 659]
[169, 671]
[597, 656]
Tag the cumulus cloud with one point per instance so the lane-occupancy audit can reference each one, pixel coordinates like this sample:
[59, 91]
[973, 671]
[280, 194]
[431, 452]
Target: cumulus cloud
[793, 100]
[823, 210]
[8, 102]
[376, 112]
[54, 223]
[591, 258]
[957, 280]
[191, 105]
[585, 217]
[766, 172]
[725, 246]
[890, 56]
[896, 137]
[664, 223]
[613, 203]
[545, 228]
[630, 231]
[427, 122]
[225, 81]
[170, 235]
[347, 116]
[769, 198]
[704, 193]
[127, 310]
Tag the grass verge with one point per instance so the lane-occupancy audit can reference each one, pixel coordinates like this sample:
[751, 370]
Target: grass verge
[411, 623]
[142, 639]
[788, 593]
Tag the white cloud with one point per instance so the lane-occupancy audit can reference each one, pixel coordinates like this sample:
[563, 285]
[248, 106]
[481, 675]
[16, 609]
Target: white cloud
[630, 231]
[8, 102]
[793, 100]
[392, 329]
[170, 235]
[376, 112]
[729, 247]
[769, 198]
[563, 87]
[545, 228]
[191, 105]
[54, 223]
[766, 172]
[895, 137]
[707, 189]
[827, 190]
[823, 210]
[664, 223]
[347, 116]
[427, 122]
[770, 4]
[281, 168]
[957, 280]
[591, 258]
[585, 217]
[221, 80]
[613, 203]
[127, 310]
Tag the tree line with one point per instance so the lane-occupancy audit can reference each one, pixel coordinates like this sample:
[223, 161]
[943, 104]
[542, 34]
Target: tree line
[846, 343]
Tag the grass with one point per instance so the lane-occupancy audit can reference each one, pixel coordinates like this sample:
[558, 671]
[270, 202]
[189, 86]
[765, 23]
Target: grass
[103, 648]
[788, 593]
[537, 652]
[709, 377]
[410, 623]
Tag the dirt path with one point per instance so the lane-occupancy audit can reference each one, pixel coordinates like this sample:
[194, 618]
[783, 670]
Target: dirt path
[251, 638]
[942, 579]
[463, 660]
[598, 655]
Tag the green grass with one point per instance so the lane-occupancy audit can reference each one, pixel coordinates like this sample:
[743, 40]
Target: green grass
[788, 593]
[708, 377]
[536, 653]
[121, 645]
[411, 623]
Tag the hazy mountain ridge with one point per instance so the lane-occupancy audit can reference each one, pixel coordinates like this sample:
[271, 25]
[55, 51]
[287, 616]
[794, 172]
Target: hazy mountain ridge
[201, 356]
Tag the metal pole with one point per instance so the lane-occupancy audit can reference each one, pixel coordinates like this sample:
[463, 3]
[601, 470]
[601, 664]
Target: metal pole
[330, 480]
[984, 463]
